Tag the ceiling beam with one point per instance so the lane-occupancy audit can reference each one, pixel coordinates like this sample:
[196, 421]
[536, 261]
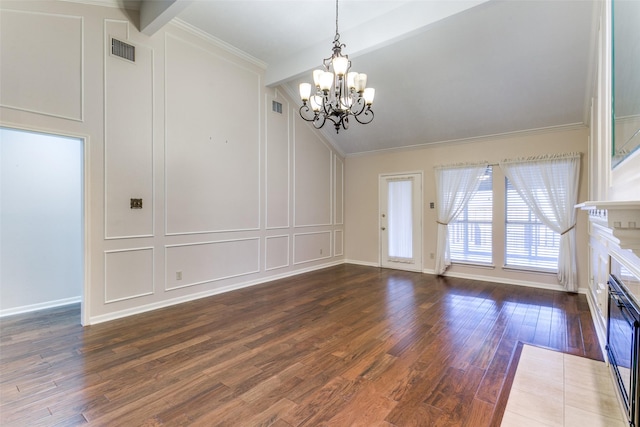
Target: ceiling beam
[155, 14]
[375, 34]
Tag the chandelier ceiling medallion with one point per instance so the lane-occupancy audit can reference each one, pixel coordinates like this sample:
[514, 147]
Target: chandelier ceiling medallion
[339, 93]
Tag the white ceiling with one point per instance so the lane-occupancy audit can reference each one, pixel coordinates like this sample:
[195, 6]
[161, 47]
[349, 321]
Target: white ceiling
[443, 70]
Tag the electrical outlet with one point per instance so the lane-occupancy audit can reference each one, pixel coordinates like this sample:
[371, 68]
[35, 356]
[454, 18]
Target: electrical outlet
[431, 255]
[178, 275]
[320, 251]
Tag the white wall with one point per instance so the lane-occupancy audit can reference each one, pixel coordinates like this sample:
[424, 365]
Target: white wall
[233, 193]
[40, 221]
[361, 195]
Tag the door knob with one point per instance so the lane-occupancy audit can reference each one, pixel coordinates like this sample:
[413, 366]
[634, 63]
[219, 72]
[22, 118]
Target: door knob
[382, 228]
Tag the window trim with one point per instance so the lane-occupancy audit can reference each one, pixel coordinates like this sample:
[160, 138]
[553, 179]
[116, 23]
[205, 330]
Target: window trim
[511, 267]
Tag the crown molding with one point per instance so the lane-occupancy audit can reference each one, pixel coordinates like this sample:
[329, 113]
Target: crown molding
[519, 133]
[218, 42]
[119, 4]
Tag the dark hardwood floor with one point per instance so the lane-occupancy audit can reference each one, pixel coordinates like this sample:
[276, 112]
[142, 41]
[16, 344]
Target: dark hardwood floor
[343, 346]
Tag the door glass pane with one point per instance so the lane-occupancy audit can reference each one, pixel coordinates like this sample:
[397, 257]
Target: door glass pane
[400, 219]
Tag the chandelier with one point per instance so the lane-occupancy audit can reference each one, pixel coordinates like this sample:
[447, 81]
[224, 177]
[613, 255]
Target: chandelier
[339, 93]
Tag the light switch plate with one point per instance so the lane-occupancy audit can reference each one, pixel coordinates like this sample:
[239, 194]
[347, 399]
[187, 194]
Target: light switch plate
[136, 203]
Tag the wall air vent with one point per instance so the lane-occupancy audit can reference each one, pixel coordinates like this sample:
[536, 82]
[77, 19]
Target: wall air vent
[276, 107]
[123, 50]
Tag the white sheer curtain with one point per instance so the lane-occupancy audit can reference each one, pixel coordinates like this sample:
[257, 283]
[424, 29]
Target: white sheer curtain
[454, 187]
[549, 186]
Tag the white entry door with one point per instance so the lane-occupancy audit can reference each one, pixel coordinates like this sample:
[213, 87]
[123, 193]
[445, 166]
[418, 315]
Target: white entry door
[400, 221]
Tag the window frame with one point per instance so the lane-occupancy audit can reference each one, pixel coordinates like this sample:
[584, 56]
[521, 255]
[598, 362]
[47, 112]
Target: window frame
[467, 223]
[533, 222]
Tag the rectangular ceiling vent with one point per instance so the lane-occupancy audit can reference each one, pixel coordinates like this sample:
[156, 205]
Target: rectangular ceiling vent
[123, 50]
[276, 107]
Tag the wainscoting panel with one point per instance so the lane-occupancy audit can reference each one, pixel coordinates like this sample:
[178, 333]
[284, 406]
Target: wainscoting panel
[277, 161]
[212, 146]
[276, 252]
[338, 193]
[312, 181]
[128, 137]
[128, 273]
[309, 247]
[42, 63]
[338, 243]
[199, 263]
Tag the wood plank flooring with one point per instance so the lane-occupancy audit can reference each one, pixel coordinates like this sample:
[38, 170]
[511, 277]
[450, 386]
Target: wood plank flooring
[343, 346]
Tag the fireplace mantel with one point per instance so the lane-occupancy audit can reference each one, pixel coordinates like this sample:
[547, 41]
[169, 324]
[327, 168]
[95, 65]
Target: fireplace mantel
[621, 218]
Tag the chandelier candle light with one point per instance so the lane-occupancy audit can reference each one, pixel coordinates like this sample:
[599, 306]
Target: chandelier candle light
[339, 93]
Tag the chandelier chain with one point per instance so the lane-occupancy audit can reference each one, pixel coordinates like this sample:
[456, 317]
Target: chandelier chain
[337, 33]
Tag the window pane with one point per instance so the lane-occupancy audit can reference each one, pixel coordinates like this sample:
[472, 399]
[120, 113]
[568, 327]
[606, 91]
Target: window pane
[529, 243]
[470, 234]
[400, 219]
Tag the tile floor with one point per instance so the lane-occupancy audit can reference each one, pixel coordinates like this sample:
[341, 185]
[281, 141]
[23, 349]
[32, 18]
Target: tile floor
[556, 389]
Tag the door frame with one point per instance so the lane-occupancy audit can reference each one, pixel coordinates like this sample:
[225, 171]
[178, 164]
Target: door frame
[419, 260]
[85, 202]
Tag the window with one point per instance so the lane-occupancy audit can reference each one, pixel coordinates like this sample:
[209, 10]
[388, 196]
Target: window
[470, 232]
[529, 243]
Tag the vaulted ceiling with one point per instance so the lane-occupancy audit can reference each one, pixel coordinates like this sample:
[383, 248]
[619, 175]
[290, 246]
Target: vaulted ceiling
[443, 70]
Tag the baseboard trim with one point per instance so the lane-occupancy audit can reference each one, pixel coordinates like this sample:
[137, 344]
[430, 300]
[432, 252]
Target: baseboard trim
[506, 281]
[503, 280]
[364, 263]
[39, 306]
[191, 297]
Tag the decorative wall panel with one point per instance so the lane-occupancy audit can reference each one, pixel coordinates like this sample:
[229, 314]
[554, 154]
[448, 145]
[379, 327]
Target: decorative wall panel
[128, 273]
[311, 246]
[338, 243]
[277, 161]
[276, 252]
[128, 138]
[42, 66]
[212, 146]
[312, 181]
[338, 182]
[199, 263]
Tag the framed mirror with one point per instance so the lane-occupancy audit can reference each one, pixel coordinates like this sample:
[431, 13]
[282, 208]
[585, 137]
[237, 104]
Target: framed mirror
[626, 79]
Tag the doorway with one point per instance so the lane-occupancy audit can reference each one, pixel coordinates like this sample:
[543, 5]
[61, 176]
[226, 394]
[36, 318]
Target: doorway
[400, 218]
[42, 236]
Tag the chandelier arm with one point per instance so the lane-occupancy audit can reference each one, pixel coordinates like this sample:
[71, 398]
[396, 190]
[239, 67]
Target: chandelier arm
[360, 106]
[344, 121]
[326, 105]
[304, 113]
[318, 121]
[367, 116]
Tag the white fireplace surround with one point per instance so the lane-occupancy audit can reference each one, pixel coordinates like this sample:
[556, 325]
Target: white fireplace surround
[621, 218]
[614, 232]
